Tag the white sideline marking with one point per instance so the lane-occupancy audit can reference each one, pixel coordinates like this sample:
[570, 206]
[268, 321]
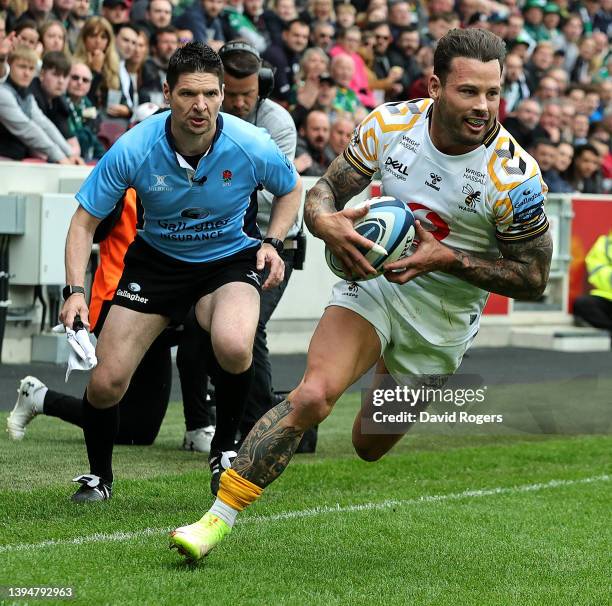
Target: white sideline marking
[117, 537]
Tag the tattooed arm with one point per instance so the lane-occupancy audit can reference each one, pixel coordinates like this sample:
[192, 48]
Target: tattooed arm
[326, 219]
[521, 272]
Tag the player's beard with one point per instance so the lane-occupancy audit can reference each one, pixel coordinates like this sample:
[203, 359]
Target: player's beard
[454, 124]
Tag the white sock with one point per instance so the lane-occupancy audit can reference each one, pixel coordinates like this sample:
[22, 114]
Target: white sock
[38, 398]
[224, 511]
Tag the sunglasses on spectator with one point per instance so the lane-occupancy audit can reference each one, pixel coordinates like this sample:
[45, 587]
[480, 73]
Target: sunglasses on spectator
[380, 37]
[84, 79]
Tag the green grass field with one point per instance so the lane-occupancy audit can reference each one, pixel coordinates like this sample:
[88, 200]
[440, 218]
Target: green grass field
[444, 519]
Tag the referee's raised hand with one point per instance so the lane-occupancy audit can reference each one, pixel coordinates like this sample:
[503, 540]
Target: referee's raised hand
[267, 255]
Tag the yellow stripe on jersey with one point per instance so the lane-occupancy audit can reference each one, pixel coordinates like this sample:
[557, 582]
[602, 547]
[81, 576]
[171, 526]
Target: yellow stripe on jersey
[350, 157]
[364, 143]
[507, 206]
[491, 168]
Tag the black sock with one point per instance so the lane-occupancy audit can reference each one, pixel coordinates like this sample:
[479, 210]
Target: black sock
[232, 392]
[100, 426]
[63, 407]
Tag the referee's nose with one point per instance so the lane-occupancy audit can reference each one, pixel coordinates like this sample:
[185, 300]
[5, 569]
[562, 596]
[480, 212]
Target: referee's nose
[200, 104]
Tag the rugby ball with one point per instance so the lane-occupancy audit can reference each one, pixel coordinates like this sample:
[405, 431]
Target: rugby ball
[389, 224]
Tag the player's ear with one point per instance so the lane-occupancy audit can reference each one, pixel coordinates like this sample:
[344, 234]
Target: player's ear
[166, 91]
[434, 85]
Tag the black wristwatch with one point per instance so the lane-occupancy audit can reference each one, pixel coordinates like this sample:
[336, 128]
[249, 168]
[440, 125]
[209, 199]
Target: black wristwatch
[72, 290]
[278, 244]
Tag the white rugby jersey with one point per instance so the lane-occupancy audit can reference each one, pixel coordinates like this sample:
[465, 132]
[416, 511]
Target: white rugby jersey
[470, 201]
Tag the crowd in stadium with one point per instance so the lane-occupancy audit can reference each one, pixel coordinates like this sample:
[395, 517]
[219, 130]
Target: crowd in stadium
[75, 74]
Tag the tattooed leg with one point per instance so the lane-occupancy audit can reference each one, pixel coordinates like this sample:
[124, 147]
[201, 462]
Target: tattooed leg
[268, 448]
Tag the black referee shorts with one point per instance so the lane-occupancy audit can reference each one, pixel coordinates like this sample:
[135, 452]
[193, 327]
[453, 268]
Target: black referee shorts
[154, 283]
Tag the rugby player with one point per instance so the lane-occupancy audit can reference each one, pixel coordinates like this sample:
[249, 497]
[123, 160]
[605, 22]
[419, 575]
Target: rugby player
[195, 171]
[482, 197]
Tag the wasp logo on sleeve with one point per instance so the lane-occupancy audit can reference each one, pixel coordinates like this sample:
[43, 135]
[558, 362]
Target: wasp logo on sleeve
[527, 199]
[159, 183]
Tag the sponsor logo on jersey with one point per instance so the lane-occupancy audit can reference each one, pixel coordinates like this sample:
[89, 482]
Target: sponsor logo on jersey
[134, 286]
[227, 177]
[397, 168]
[527, 199]
[471, 198]
[410, 144]
[159, 183]
[180, 230]
[434, 179]
[132, 296]
[195, 213]
[475, 176]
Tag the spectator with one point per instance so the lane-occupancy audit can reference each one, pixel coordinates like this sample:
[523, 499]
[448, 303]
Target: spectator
[585, 66]
[568, 111]
[262, 21]
[324, 101]
[515, 87]
[379, 86]
[8, 15]
[568, 42]
[158, 14]
[550, 121]
[319, 11]
[184, 36]
[136, 62]
[516, 24]
[577, 95]
[524, 125]
[584, 174]
[342, 71]
[602, 19]
[286, 58]
[345, 15]
[533, 13]
[96, 47]
[340, 133]
[24, 130]
[565, 155]
[439, 25]
[164, 43]
[38, 11]
[580, 129]
[561, 78]
[205, 19]
[322, 36]
[116, 12]
[381, 65]
[541, 61]
[49, 90]
[596, 308]
[551, 22]
[126, 41]
[76, 20]
[403, 54]
[400, 17]
[312, 157]
[26, 34]
[313, 65]
[61, 10]
[547, 89]
[348, 43]
[545, 153]
[281, 12]
[53, 37]
[82, 114]
[592, 102]
[6, 46]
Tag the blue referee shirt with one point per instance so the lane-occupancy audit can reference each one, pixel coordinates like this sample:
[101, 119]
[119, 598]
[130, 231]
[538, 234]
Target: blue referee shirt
[194, 216]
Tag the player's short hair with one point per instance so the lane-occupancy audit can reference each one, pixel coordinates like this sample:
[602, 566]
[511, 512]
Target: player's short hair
[472, 43]
[191, 58]
[25, 53]
[56, 61]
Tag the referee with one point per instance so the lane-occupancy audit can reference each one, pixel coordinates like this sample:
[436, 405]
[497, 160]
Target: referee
[247, 87]
[195, 171]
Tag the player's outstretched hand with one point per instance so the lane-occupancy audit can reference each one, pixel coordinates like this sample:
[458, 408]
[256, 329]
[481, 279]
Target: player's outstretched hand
[74, 305]
[429, 256]
[337, 230]
[267, 255]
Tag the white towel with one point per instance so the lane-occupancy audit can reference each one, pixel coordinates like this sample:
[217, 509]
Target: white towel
[83, 353]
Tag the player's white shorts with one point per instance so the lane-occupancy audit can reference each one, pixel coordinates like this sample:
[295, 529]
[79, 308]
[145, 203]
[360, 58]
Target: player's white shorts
[405, 352]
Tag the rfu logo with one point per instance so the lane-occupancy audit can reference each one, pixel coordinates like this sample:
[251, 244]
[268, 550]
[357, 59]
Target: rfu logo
[397, 166]
[434, 180]
[471, 196]
[253, 275]
[134, 286]
[159, 183]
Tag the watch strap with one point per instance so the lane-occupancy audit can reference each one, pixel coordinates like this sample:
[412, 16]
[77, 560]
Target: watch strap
[70, 290]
